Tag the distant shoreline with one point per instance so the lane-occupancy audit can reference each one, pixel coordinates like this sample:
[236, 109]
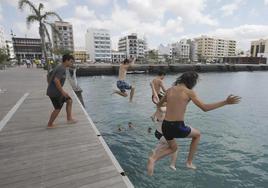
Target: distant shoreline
[109, 69]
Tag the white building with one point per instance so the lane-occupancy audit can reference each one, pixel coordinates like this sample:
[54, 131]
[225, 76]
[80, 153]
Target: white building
[259, 48]
[98, 45]
[165, 50]
[2, 39]
[118, 57]
[209, 48]
[10, 49]
[63, 39]
[132, 46]
[193, 50]
[181, 50]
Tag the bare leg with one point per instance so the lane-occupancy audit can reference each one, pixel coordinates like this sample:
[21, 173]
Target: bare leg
[195, 135]
[132, 91]
[155, 156]
[173, 160]
[123, 94]
[52, 118]
[70, 119]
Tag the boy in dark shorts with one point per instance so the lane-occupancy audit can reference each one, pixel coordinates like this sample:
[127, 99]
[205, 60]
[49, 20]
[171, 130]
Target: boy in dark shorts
[56, 93]
[177, 98]
[121, 84]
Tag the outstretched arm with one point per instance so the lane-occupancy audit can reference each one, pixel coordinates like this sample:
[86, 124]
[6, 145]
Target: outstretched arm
[231, 99]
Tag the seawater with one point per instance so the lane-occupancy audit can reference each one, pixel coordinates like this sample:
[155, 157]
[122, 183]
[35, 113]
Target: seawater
[233, 151]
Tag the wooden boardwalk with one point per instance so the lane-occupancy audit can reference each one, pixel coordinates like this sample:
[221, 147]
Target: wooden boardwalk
[33, 156]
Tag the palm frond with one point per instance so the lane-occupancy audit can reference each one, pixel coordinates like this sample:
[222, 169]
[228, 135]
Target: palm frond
[41, 6]
[30, 19]
[23, 3]
[54, 29]
[47, 14]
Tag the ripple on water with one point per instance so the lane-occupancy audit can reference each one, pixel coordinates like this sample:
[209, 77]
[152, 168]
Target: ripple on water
[233, 150]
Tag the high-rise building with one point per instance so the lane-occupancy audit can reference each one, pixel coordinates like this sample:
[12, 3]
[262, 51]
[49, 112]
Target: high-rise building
[259, 48]
[63, 36]
[10, 49]
[118, 57]
[132, 46]
[181, 50]
[27, 48]
[193, 50]
[209, 48]
[98, 45]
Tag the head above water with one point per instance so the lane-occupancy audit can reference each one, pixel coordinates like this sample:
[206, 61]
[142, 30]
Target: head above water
[161, 74]
[189, 79]
[68, 59]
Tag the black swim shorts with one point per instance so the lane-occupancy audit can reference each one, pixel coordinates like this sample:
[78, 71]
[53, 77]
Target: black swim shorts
[175, 129]
[59, 101]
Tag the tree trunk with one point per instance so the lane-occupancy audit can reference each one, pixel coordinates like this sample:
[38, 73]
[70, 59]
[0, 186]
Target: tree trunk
[42, 36]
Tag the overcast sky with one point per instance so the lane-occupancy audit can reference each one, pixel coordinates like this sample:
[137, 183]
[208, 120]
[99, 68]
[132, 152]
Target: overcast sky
[160, 21]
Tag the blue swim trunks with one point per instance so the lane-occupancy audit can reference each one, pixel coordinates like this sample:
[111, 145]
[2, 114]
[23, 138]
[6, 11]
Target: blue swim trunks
[123, 86]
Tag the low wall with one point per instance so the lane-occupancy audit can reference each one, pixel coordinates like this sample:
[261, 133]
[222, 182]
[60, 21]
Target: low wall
[93, 70]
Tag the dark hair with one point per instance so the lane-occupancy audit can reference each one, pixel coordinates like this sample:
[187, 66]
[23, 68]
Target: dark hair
[126, 61]
[67, 57]
[189, 79]
[161, 73]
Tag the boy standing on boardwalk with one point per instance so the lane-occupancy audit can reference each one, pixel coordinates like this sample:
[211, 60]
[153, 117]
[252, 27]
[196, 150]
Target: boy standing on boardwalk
[56, 93]
[177, 98]
[122, 85]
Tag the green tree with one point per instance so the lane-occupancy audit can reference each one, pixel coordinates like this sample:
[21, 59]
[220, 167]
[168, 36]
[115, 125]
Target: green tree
[41, 17]
[3, 55]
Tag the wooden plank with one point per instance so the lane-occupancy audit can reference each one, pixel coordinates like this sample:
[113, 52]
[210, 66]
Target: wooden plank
[33, 156]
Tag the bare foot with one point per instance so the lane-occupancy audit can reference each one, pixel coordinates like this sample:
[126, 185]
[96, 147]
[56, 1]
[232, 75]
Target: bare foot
[53, 126]
[190, 165]
[72, 121]
[150, 164]
[173, 167]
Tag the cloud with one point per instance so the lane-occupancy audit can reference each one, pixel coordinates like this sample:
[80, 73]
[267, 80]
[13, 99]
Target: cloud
[189, 10]
[229, 9]
[84, 12]
[23, 31]
[1, 13]
[132, 23]
[99, 2]
[266, 2]
[49, 4]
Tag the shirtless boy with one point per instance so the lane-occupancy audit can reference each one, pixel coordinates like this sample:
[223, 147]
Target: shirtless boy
[122, 85]
[177, 98]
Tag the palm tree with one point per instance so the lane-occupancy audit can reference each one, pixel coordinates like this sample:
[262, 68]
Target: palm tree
[42, 18]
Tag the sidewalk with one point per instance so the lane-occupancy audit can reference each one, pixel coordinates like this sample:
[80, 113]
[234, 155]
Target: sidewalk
[33, 156]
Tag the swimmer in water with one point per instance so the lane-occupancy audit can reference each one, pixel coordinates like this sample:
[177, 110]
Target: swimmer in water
[173, 126]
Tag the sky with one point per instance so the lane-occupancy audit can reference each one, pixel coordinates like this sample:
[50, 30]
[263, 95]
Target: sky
[159, 21]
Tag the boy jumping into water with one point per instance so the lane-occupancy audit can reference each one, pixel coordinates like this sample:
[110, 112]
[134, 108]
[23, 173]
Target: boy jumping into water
[121, 84]
[160, 116]
[177, 98]
[158, 89]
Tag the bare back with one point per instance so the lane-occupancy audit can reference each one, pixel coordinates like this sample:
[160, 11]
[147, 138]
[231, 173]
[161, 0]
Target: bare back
[122, 72]
[157, 83]
[177, 101]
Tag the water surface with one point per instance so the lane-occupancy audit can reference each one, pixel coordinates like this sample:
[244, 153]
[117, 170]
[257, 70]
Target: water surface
[233, 151]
